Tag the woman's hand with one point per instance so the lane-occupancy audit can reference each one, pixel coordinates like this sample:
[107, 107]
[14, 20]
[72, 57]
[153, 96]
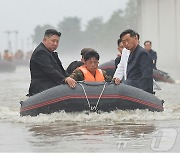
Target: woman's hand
[71, 82]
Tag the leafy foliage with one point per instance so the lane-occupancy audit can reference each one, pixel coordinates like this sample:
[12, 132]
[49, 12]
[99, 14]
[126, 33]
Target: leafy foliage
[97, 34]
[39, 32]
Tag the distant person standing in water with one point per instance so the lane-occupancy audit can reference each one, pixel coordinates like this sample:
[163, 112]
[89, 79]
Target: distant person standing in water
[148, 47]
[45, 66]
[7, 55]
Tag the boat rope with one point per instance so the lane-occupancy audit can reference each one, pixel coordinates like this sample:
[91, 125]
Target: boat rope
[93, 108]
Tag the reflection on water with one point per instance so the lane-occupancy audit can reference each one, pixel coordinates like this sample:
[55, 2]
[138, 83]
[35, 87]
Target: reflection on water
[75, 129]
[90, 135]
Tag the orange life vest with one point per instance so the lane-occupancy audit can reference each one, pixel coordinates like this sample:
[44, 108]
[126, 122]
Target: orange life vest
[99, 77]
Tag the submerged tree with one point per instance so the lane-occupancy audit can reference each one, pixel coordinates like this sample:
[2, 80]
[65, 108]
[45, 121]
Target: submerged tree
[70, 28]
[131, 14]
[97, 34]
[39, 33]
[113, 27]
[93, 32]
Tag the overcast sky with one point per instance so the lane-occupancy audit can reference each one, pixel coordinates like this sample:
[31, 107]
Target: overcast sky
[24, 15]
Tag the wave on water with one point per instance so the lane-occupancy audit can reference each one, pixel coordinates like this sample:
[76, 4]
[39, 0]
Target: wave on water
[170, 113]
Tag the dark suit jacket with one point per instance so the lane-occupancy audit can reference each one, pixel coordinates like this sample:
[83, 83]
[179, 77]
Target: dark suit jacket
[117, 61]
[73, 66]
[154, 57]
[46, 70]
[139, 70]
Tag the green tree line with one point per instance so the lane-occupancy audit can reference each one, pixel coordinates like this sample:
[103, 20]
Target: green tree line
[97, 34]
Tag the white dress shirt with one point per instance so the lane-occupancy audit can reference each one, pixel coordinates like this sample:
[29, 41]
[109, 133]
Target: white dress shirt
[122, 66]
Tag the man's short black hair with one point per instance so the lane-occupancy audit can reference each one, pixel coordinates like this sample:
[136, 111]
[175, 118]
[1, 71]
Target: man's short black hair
[50, 32]
[119, 41]
[147, 42]
[91, 54]
[138, 36]
[128, 31]
[84, 50]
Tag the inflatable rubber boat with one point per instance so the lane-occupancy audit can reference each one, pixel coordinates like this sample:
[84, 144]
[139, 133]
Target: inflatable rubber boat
[158, 75]
[90, 97]
[162, 76]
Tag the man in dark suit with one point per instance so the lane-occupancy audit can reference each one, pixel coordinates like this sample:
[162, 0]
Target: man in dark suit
[139, 66]
[45, 66]
[148, 47]
[120, 48]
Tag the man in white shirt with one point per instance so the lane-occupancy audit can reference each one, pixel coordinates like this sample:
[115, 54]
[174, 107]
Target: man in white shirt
[120, 73]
